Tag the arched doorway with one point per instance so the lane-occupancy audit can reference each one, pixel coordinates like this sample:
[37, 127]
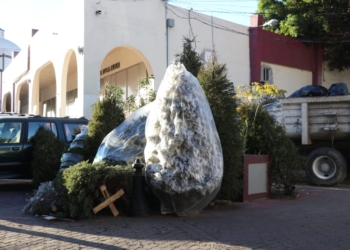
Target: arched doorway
[124, 67]
[71, 89]
[44, 91]
[23, 98]
[6, 107]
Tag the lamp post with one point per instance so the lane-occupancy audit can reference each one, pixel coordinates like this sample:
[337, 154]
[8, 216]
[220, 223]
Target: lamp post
[272, 23]
[139, 205]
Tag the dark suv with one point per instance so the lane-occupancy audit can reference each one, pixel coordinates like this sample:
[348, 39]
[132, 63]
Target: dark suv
[16, 147]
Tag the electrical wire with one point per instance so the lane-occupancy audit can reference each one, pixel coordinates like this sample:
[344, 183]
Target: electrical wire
[200, 18]
[209, 7]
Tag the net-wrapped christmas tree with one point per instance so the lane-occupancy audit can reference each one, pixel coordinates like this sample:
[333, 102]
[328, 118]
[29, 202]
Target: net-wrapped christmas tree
[126, 143]
[184, 163]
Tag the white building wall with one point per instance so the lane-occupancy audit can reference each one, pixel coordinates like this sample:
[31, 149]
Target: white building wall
[136, 25]
[330, 77]
[50, 44]
[231, 45]
[289, 79]
[18, 66]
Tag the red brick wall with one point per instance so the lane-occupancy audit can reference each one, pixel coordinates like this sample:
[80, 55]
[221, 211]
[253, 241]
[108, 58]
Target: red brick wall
[269, 47]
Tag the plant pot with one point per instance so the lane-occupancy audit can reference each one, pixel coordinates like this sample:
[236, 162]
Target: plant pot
[256, 181]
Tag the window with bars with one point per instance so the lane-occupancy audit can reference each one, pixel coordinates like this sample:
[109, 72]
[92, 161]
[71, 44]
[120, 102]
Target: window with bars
[267, 74]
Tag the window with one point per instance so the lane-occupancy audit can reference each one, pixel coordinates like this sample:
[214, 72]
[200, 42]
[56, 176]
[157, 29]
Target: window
[71, 96]
[267, 74]
[10, 132]
[34, 126]
[126, 79]
[71, 130]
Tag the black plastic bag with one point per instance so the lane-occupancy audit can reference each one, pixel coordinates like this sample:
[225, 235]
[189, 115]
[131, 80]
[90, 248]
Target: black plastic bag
[339, 88]
[310, 90]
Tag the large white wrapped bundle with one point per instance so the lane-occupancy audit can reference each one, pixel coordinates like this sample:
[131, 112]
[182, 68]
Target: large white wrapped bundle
[126, 143]
[71, 157]
[184, 163]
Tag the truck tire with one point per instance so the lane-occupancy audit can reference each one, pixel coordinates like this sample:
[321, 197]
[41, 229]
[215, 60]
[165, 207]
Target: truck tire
[326, 167]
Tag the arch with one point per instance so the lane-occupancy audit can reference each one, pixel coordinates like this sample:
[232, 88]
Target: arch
[124, 66]
[69, 85]
[22, 98]
[6, 107]
[44, 90]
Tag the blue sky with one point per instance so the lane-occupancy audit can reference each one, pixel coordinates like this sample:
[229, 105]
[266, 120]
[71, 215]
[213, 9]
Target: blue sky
[19, 17]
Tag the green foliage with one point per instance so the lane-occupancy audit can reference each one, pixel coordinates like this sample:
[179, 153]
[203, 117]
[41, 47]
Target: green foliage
[107, 114]
[265, 136]
[222, 99]
[145, 94]
[47, 153]
[190, 58]
[327, 21]
[264, 93]
[78, 187]
[260, 94]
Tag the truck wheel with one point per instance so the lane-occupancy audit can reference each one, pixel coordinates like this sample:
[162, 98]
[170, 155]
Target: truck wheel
[326, 167]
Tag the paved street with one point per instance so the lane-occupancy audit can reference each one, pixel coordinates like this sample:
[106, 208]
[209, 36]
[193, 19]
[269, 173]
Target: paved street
[318, 219]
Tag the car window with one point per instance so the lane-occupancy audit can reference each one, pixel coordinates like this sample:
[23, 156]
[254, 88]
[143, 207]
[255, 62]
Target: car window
[10, 132]
[34, 126]
[71, 130]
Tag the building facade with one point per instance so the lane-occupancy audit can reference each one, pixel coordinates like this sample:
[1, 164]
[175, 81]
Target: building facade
[8, 51]
[91, 42]
[287, 62]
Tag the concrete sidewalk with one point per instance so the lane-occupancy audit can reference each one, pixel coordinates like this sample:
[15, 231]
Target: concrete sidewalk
[318, 219]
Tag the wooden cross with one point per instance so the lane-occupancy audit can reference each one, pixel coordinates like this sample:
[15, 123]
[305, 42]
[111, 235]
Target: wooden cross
[109, 200]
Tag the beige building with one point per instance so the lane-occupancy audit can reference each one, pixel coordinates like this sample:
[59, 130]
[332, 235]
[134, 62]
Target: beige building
[89, 42]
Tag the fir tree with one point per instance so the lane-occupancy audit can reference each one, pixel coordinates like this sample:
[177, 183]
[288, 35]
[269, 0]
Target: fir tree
[190, 58]
[107, 114]
[222, 99]
[47, 153]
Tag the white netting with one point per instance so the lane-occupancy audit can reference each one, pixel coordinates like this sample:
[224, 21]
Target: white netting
[184, 164]
[126, 143]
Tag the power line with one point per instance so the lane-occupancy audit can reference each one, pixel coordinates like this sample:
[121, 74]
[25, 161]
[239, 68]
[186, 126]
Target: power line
[211, 1]
[200, 18]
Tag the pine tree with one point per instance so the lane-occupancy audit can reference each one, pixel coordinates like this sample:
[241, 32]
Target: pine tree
[222, 99]
[190, 58]
[107, 114]
[47, 153]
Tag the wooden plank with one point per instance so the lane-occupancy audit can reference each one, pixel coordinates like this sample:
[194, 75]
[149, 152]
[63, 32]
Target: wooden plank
[106, 196]
[109, 200]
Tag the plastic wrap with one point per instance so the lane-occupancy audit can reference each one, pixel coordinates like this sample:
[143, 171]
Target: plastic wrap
[310, 90]
[75, 151]
[126, 143]
[337, 89]
[70, 159]
[184, 163]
